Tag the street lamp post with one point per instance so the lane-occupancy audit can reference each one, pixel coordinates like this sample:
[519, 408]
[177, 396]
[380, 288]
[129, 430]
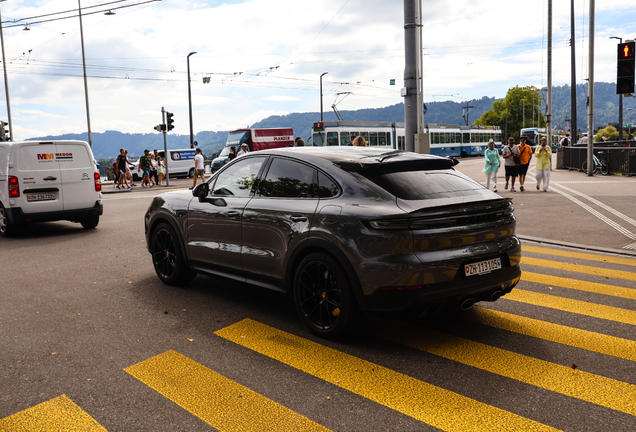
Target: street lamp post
[524, 113]
[321, 94]
[190, 101]
[620, 104]
[88, 114]
[6, 81]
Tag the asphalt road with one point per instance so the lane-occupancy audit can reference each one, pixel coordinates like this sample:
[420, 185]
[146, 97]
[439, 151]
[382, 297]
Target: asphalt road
[91, 340]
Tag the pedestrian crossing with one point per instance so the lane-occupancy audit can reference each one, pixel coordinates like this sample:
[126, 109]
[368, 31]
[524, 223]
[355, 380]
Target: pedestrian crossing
[567, 302]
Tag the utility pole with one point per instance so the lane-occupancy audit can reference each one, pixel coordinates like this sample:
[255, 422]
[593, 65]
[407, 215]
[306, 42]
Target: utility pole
[6, 83]
[549, 102]
[573, 128]
[620, 102]
[409, 91]
[88, 114]
[590, 97]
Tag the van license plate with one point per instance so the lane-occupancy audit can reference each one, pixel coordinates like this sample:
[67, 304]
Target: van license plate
[40, 197]
[482, 267]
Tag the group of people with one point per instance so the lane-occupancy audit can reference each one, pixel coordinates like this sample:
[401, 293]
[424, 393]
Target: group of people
[516, 162]
[151, 164]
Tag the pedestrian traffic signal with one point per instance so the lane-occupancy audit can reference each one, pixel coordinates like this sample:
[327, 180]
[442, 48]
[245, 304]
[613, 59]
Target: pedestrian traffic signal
[625, 68]
[169, 120]
[160, 128]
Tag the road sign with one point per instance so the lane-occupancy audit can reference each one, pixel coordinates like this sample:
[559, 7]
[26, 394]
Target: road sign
[629, 125]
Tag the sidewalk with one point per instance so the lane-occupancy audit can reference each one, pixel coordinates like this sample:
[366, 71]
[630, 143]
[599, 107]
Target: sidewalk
[108, 188]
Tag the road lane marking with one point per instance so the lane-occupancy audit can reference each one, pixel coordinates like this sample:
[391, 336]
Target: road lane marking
[430, 404]
[583, 339]
[575, 306]
[579, 255]
[222, 403]
[573, 267]
[599, 390]
[58, 414]
[598, 288]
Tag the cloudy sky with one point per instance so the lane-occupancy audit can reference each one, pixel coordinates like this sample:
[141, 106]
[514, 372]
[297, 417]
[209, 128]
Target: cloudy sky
[265, 57]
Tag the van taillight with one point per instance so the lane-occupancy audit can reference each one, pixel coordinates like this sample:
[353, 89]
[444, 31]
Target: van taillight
[14, 187]
[98, 182]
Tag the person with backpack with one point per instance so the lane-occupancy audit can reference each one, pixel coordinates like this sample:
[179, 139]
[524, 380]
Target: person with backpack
[509, 154]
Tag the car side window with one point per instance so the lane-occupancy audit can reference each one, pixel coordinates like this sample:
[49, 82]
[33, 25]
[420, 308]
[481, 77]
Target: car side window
[326, 187]
[238, 179]
[288, 179]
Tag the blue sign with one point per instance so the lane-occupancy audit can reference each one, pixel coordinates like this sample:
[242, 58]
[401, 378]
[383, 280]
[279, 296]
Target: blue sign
[424, 109]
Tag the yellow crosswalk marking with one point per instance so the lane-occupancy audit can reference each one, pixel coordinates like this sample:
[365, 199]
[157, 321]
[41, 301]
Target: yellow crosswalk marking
[579, 255]
[610, 290]
[587, 340]
[60, 415]
[607, 392]
[575, 306]
[618, 274]
[215, 399]
[425, 402]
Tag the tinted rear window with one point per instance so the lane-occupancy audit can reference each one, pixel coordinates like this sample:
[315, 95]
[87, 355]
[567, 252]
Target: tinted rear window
[418, 185]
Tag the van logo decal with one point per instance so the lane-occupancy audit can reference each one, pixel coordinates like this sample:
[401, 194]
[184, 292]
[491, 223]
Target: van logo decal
[46, 156]
[63, 156]
[85, 176]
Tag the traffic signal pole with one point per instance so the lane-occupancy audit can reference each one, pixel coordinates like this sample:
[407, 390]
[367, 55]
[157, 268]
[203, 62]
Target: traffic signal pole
[166, 155]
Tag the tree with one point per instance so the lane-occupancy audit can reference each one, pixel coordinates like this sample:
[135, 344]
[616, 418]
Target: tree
[520, 103]
[610, 132]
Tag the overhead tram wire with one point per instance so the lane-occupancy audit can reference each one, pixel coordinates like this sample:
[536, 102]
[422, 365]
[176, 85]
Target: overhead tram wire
[62, 12]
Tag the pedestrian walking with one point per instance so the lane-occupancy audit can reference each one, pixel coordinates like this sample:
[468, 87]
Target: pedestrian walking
[509, 154]
[160, 170]
[243, 150]
[122, 165]
[199, 169]
[145, 164]
[491, 165]
[543, 153]
[525, 155]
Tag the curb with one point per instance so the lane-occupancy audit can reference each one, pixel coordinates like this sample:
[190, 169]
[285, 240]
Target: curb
[577, 246]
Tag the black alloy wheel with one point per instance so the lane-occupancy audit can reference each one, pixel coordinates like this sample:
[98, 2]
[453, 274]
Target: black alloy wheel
[167, 257]
[323, 297]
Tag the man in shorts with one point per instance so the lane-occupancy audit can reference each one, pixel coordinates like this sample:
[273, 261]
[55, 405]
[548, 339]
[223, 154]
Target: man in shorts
[145, 164]
[199, 169]
[525, 155]
[512, 170]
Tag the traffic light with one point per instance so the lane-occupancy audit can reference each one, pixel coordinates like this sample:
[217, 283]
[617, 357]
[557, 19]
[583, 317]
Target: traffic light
[169, 120]
[625, 68]
[3, 132]
[160, 128]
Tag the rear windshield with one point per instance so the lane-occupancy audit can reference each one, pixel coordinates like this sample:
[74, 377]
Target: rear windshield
[419, 185]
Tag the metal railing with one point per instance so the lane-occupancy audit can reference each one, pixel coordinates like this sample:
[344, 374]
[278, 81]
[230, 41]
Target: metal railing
[621, 160]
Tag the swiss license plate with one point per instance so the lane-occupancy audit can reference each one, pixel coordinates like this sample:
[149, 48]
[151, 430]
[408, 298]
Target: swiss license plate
[482, 267]
[40, 197]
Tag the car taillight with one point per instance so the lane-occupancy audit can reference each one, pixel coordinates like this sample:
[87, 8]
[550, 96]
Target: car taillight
[98, 182]
[14, 187]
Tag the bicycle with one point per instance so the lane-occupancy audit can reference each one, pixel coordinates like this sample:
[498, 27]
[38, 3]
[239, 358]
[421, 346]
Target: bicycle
[599, 165]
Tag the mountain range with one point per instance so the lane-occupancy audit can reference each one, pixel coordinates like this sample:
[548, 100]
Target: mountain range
[107, 144]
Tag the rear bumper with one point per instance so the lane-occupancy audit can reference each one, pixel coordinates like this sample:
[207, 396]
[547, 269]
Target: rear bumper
[17, 216]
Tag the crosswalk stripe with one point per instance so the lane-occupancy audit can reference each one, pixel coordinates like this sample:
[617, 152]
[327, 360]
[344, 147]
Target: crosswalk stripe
[580, 255]
[438, 407]
[619, 274]
[610, 290]
[60, 414]
[587, 340]
[607, 392]
[575, 306]
[215, 399]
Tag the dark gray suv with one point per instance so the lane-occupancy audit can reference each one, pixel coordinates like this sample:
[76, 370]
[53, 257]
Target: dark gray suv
[342, 230]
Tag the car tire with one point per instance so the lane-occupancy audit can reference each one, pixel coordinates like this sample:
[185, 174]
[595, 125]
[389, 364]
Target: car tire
[90, 222]
[168, 258]
[7, 229]
[323, 297]
[191, 173]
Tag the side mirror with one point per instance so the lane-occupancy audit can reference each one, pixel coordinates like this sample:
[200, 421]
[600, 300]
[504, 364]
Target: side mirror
[201, 191]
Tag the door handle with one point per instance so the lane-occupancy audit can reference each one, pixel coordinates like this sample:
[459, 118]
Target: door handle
[233, 214]
[49, 178]
[299, 218]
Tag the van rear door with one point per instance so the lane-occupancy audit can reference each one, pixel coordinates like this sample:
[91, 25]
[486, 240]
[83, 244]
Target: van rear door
[38, 173]
[77, 170]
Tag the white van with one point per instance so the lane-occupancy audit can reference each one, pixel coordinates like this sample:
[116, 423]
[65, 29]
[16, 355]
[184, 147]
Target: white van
[180, 163]
[48, 181]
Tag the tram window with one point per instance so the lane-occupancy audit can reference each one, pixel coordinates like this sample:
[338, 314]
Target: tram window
[400, 143]
[466, 137]
[317, 139]
[382, 138]
[332, 138]
[498, 137]
[365, 135]
[344, 138]
[373, 138]
[446, 138]
[458, 138]
[353, 135]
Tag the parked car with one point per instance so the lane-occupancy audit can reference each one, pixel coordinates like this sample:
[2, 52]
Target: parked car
[48, 181]
[180, 164]
[341, 230]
